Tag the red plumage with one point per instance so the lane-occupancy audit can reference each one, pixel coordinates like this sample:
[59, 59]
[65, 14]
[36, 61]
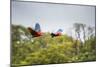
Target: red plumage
[34, 33]
[56, 34]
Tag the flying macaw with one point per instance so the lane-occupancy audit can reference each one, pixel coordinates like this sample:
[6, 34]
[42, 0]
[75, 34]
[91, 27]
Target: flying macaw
[58, 33]
[35, 32]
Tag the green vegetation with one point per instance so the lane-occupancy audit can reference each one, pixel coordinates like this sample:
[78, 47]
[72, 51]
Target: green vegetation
[48, 50]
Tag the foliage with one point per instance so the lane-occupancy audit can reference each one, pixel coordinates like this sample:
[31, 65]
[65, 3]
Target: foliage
[48, 50]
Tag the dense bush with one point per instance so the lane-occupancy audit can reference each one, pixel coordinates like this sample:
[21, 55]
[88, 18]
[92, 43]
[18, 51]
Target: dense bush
[48, 50]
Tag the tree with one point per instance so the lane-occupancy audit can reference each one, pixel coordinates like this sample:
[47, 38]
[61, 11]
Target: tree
[19, 33]
[83, 28]
[77, 30]
[91, 31]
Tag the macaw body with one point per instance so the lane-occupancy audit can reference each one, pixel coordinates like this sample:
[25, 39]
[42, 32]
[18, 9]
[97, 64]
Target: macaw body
[34, 33]
[56, 34]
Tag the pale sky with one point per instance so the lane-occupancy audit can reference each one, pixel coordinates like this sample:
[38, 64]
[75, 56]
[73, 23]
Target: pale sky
[52, 17]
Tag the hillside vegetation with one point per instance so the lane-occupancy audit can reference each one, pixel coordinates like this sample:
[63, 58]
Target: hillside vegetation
[47, 50]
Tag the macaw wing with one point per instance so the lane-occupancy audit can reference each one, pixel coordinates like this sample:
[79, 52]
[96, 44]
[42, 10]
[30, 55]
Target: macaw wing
[37, 27]
[60, 30]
